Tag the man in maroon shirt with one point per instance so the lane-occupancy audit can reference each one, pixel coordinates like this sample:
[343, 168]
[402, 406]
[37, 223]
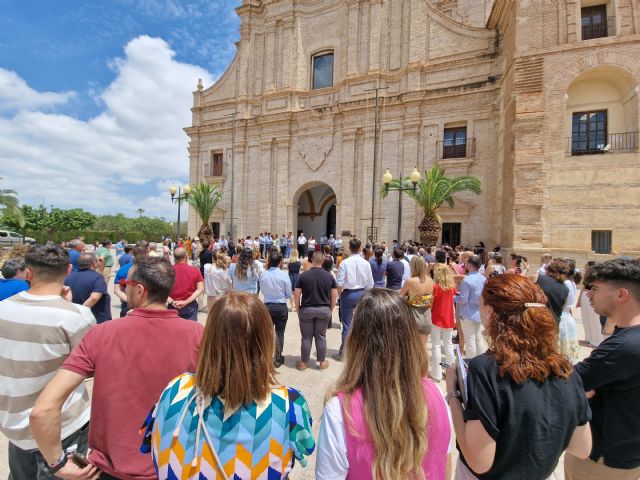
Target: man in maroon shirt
[132, 359]
[188, 287]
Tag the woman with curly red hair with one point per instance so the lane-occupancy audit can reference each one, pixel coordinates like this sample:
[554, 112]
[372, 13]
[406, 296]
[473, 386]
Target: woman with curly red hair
[525, 405]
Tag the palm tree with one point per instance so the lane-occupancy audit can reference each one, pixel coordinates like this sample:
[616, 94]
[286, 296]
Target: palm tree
[204, 198]
[140, 211]
[434, 189]
[9, 202]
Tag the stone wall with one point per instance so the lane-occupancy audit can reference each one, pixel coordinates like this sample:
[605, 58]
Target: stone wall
[507, 83]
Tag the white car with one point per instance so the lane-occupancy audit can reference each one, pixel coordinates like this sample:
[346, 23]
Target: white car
[9, 238]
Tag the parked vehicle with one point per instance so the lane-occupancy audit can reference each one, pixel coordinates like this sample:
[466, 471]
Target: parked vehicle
[9, 238]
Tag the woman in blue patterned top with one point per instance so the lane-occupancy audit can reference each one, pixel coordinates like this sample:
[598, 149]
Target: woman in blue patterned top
[230, 420]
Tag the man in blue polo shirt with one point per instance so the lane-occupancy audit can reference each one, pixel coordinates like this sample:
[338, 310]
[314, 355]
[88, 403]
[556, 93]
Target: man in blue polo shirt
[88, 288]
[76, 248]
[14, 280]
[141, 249]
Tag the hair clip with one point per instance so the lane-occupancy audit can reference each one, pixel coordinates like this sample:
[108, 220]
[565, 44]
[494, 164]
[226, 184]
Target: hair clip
[528, 305]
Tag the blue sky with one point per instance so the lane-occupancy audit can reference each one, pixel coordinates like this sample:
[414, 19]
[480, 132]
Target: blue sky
[99, 91]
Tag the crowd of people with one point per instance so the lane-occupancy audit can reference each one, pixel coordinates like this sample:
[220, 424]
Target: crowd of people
[208, 396]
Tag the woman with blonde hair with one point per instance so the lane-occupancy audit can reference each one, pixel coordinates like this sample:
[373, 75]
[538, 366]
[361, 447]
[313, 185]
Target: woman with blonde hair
[230, 419]
[418, 291]
[524, 404]
[216, 279]
[442, 318]
[384, 419]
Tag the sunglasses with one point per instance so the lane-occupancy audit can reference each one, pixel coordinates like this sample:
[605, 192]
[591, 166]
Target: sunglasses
[124, 283]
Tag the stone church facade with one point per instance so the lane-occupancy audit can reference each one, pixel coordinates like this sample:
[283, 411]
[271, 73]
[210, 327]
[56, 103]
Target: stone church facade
[537, 98]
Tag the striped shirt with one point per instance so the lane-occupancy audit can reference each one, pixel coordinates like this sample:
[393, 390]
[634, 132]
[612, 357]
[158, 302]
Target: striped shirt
[37, 333]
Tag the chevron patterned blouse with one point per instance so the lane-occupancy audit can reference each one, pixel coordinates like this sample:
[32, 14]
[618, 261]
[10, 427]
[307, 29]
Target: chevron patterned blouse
[186, 431]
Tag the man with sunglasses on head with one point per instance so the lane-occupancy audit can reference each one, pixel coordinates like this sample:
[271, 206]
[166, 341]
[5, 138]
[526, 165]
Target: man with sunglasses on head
[131, 360]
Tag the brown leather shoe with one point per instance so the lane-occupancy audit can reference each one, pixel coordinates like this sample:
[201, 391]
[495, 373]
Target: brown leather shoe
[324, 365]
[300, 365]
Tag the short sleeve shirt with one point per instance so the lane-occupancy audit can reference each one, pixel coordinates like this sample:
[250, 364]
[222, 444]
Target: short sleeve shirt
[108, 257]
[187, 279]
[612, 371]
[128, 359]
[85, 282]
[532, 423]
[395, 271]
[316, 285]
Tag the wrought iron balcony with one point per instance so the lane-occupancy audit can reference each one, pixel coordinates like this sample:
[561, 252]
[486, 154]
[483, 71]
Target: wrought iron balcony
[461, 150]
[611, 143]
[599, 30]
[212, 169]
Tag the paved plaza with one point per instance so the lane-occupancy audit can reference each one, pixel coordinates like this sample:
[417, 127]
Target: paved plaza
[313, 383]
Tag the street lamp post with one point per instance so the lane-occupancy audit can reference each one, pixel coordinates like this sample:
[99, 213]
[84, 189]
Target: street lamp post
[387, 178]
[182, 195]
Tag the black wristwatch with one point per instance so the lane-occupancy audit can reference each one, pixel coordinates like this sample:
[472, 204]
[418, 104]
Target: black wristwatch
[51, 470]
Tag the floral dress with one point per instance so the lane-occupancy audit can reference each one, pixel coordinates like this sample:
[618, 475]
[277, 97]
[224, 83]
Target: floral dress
[193, 437]
[421, 308]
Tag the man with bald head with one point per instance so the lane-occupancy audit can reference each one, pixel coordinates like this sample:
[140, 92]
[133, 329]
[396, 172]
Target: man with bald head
[88, 287]
[188, 287]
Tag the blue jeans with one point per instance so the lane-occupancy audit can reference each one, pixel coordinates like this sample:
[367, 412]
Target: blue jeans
[348, 301]
[189, 312]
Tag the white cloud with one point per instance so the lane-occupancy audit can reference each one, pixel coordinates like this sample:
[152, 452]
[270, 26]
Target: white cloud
[135, 144]
[15, 94]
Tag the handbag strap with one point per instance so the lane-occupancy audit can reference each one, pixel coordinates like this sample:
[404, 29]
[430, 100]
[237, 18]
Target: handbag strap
[199, 399]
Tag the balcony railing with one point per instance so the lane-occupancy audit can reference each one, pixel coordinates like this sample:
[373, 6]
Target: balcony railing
[462, 150]
[212, 170]
[614, 143]
[599, 30]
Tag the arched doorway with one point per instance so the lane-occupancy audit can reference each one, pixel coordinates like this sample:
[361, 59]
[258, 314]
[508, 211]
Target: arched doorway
[317, 211]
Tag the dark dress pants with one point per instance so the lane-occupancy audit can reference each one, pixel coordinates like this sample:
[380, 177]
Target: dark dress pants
[279, 315]
[348, 301]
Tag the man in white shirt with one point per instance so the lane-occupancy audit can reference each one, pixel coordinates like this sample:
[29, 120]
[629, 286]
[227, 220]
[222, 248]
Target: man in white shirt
[354, 275]
[302, 243]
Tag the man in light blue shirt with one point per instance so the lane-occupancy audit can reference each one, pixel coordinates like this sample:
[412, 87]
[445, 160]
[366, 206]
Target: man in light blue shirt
[276, 289]
[469, 302]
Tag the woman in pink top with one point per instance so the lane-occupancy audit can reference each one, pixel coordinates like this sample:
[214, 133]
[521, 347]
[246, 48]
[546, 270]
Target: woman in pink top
[384, 419]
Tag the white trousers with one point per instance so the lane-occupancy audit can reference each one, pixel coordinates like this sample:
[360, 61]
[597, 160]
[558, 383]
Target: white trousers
[474, 343]
[440, 338]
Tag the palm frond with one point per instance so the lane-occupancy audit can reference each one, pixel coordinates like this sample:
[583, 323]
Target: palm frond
[9, 201]
[204, 199]
[435, 188]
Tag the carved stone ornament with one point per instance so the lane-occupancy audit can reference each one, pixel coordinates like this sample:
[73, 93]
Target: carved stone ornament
[314, 148]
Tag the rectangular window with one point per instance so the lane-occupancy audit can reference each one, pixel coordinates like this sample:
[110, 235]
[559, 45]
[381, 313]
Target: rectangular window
[451, 234]
[455, 143]
[588, 132]
[601, 241]
[322, 71]
[215, 168]
[594, 22]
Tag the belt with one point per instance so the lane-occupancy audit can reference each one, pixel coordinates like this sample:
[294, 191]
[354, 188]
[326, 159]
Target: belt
[352, 289]
[276, 303]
